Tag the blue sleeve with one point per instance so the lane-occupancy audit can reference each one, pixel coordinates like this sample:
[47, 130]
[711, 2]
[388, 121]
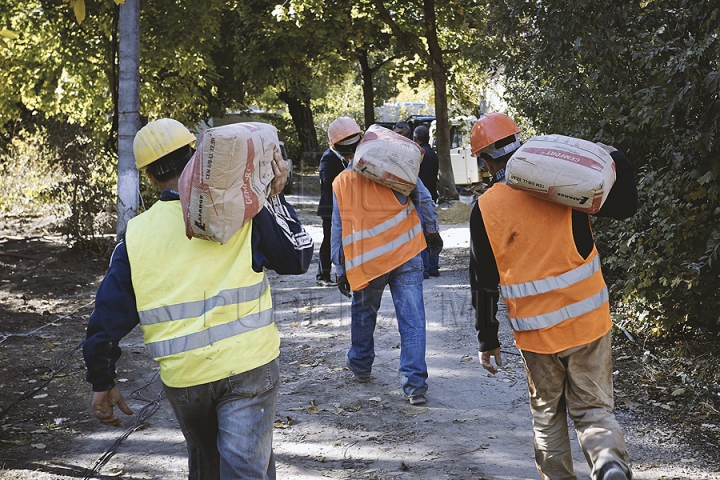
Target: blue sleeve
[622, 201]
[279, 241]
[114, 316]
[337, 255]
[420, 196]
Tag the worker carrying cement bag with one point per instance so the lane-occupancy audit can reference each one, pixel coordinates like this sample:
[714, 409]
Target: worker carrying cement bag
[389, 159]
[565, 170]
[227, 181]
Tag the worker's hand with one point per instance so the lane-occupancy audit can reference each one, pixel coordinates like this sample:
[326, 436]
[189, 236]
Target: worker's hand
[344, 286]
[103, 403]
[434, 243]
[280, 170]
[485, 360]
[607, 148]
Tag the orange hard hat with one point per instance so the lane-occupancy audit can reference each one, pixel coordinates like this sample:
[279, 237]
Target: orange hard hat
[490, 128]
[342, 128]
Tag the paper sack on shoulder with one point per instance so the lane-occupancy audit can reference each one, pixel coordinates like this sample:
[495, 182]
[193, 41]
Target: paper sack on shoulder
[227, 181]
[389, 159]
[565, 170]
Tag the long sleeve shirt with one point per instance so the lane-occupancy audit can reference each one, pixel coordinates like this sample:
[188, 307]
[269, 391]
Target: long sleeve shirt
[621, 203]
[279, 243]
[420, 196]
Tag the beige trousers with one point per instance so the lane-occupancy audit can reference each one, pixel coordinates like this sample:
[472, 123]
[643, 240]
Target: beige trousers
[576, 382]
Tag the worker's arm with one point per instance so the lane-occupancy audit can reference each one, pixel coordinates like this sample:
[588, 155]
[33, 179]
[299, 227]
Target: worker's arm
[114, 316]
[423, 201]
[279, 241]
[484, 280]
[622, 201]
[337, 255]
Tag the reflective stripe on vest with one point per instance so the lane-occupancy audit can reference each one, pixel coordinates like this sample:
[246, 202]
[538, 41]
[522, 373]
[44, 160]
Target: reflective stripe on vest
[201, 307]
[567, 312]
[378, 230]
[552, 283]
[210, 335]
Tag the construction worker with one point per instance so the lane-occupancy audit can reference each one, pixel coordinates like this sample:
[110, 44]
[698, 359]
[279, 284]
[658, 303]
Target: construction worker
[206, 313]
[403, 129]
[344, 134]
[376, 241]
[545, 260]
[429, 176]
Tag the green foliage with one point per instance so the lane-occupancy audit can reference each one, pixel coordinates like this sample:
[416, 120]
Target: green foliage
[26, 176]
[643, 76]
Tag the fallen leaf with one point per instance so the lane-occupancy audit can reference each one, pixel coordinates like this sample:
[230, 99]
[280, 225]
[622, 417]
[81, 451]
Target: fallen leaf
[42, 395]
[464, 420]
[677, 392]
[18, 443]
[375, 399]
[39, 446]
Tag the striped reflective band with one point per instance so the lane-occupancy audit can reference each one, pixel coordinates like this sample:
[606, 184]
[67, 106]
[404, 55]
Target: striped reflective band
[553, 318]
[378, 229]
[198, 308]
[206, 337]
[382, 250]
[552, 283]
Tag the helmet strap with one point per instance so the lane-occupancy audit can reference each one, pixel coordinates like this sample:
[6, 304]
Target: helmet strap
[496, 153]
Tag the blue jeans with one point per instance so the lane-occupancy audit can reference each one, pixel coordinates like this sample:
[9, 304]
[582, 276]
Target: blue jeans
[228, 424]
[430, 264]
[406, 287]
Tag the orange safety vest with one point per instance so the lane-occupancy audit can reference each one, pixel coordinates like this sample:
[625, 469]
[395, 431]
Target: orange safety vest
[555, 298]
[378, 232]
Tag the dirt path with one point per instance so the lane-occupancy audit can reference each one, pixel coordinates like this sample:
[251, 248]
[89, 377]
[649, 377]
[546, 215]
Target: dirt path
[474, 426]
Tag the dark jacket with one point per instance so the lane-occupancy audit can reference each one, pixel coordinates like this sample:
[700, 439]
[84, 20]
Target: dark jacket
[429, 170]
[331, 164]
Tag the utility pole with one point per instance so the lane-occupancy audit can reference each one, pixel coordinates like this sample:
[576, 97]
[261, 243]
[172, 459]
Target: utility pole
[128, 112]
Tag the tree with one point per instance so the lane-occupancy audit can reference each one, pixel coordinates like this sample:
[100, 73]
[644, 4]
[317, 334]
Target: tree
[433, 32]
[645, 78]
[128, 112]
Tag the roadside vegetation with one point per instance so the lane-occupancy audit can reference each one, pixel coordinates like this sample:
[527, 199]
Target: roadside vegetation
[643, 76]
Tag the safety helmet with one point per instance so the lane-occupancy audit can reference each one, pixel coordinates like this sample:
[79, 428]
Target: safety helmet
[157, 139]
[342, 128]
[490, 128]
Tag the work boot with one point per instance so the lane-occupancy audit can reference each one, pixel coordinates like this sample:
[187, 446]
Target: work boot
[612, 471]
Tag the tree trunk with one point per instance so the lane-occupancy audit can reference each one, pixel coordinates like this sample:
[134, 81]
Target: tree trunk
[366, 73]
[302, 118]
[446, 180]
[128, 112]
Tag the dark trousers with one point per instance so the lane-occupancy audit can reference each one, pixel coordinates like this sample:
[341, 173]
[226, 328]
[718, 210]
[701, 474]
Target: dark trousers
[324, 263]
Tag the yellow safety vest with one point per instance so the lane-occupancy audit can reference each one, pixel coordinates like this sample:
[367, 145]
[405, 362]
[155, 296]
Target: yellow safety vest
[556, 299]
[205, 314]
[378, 232]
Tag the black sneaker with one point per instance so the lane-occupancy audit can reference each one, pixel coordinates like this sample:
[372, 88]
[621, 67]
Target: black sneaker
[360, 377]
[326, 282]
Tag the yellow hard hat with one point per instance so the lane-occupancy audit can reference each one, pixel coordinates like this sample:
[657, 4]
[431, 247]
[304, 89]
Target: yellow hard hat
[157, 139]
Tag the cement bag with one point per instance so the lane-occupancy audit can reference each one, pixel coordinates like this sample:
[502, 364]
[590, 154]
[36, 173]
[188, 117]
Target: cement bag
[389, 159]
[565, 170]
[227, 180]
